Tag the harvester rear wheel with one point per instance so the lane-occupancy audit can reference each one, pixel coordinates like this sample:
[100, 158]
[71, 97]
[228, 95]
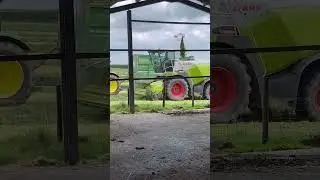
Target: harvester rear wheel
[312, 98]
[230, 88]
[177, 89]
[206, 91]
[15, 77]
[114, 85]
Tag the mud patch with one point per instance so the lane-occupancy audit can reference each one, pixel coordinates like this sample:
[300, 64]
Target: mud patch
[258, 161]
[314, 141]
[186, 112]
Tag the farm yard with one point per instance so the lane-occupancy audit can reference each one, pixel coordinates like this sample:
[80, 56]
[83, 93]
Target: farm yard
[31, 128]
[137, 145]
[162, 137]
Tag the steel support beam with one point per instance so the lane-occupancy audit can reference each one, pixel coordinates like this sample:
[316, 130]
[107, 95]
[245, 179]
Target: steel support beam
[130, 59]
[68, 81]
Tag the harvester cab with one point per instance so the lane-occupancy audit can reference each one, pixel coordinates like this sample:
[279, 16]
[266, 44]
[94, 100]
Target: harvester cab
[163, 61]
[169, 61]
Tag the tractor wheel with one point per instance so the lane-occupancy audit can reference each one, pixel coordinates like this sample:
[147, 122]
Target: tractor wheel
[312, 98]
[15, 77]
[177, 89]
[230, 88]
[114, 85]
[206, 91]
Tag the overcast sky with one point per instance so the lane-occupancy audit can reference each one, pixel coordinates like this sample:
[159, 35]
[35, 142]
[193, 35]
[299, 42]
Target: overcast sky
[155, 36]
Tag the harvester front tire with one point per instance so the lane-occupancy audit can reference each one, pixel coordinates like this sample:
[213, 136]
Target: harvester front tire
[312, 98]
[177, 89]
[230, 88]
[16, 77]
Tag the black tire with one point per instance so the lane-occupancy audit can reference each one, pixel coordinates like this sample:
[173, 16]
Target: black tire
[206, 91]
[179, 83]
[21, 95]
[240, 87]
[311, 98]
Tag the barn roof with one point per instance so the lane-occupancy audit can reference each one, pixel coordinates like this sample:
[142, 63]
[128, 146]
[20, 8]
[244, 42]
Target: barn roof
[202, 5]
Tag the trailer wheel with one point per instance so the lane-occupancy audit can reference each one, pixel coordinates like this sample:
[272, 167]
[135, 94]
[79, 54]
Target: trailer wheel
[114, 85]
[15, 77]
[177, 89]
[312, 98]
[230, 88]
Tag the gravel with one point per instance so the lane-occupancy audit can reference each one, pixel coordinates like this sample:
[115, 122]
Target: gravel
[170, 147]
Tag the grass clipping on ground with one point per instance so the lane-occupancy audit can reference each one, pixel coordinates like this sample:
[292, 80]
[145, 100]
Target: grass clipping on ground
[39, 146]
[156, 106]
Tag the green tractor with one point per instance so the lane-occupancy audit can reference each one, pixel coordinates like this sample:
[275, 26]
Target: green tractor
[32, 26]
[177, 86]
[238, 79]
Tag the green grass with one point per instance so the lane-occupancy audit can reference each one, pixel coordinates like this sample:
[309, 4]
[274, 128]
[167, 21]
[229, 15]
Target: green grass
[119, 103]
[34, 144]
[156, 106]
[246, 137]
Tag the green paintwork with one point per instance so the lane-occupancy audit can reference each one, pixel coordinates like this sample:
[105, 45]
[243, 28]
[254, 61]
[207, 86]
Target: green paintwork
[285, 27]
[198, 70]
[156, 87]
[39, 28]
[195, 70]
[143, 67]
[290, 26]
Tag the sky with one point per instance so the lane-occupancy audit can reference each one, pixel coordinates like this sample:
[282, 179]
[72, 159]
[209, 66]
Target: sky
[155, 36]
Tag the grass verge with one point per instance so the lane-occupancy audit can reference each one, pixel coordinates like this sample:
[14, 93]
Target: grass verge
[38, 145]
[156, 106]
[246, 137]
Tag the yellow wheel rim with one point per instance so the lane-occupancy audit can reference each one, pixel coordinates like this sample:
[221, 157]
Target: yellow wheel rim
[113, 86]
[11, 78]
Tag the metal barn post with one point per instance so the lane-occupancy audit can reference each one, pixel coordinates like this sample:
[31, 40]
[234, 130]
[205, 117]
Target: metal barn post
[265, 111]
[69, 85]
[130, 58]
